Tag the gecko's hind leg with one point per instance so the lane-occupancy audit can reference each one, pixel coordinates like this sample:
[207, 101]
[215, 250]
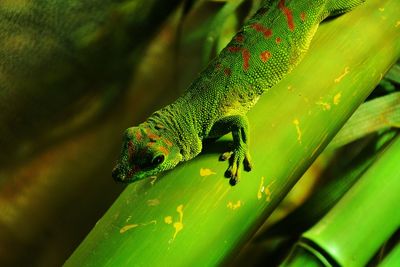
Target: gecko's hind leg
[239, 154]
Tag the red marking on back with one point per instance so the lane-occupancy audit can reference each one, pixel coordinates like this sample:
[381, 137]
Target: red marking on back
[239, 38]
[152, 136]
[265, 56]
[167, 142]
[260, 28]
[138, 136]
[246, 57]
[278, 40]
[234, 49]
[288, 14]
[303, 16]
[227, 71]
[164, 150]
[218, 66]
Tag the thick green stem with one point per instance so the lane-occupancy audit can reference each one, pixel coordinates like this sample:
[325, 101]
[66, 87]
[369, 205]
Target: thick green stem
[352, 232]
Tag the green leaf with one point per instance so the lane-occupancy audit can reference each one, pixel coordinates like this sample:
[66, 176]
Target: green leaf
[375, 115]
[394, 74]
[368, 215]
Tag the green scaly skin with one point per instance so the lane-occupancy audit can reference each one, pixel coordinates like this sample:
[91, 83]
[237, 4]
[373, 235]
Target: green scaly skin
[268, 47]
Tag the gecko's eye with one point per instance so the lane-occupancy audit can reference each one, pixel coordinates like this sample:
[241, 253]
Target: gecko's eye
[158, 160]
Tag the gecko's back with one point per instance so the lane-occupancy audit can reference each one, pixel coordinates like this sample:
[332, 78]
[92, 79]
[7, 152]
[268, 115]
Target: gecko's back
[268, 47]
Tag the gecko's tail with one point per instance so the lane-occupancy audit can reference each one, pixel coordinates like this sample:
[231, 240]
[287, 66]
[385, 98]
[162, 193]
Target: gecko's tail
[336, 7]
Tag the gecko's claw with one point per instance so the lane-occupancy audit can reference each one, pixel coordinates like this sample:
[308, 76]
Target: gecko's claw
[236, 158]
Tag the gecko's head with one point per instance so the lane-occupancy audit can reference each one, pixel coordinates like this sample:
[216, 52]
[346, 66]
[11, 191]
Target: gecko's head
[145, 152]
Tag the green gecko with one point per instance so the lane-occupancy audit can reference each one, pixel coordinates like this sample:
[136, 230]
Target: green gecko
[268, 47]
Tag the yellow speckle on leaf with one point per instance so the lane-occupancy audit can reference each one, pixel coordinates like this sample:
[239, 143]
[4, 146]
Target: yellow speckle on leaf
[296, 123]
[168, 219]
[178, 225]
[206, 172]
[325, 105]
[153, 202]
[381, 9]
[127, 227]
[134, 225]
[234, 206]
[268, 192]
[153, 179]
[346, 71]
[261, 189]
[397, 24]
[265, 190]
[336, 98]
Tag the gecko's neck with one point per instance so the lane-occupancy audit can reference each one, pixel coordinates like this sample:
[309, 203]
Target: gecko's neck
[180, 126]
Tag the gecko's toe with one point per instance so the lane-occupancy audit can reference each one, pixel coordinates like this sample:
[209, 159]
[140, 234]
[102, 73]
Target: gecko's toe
[248, 166]
[233, 181]
[225, 156]
[228, 173]
[236, 159]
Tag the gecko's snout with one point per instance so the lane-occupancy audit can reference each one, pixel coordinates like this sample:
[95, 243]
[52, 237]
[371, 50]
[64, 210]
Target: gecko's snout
[118, 175]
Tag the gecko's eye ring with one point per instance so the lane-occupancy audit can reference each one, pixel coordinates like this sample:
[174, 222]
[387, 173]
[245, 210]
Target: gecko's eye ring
[158, 160]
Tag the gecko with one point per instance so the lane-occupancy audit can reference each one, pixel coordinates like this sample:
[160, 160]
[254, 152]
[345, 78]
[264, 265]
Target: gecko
[266, 48]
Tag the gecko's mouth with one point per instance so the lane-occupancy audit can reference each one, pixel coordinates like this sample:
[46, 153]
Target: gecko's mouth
[121, 175]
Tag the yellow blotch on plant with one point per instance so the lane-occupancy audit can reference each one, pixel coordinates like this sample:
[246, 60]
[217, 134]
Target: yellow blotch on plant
[296, 123]
[336, 98]
[234, 206]
[325, 105]
[153, 202]
[168, 219]
[178, 225]
[206, 172]
[265, 190]
[134, 225]
[346, 71]
[128, 227]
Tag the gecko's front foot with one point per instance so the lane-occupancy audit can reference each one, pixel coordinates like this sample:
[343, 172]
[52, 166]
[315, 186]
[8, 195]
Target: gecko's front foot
[236, 157]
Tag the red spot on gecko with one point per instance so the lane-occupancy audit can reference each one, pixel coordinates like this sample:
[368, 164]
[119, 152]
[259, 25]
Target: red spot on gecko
[264, 56]
[152, 136]
[239, 38]
[164, 150]
[218, 66]
[288, 14]
[167, 142]
[151, 144]
[260, 28]
[246, 57]
[278, 40]
[227, 72]
[303, 16]
[234, 49]
[138, 136]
